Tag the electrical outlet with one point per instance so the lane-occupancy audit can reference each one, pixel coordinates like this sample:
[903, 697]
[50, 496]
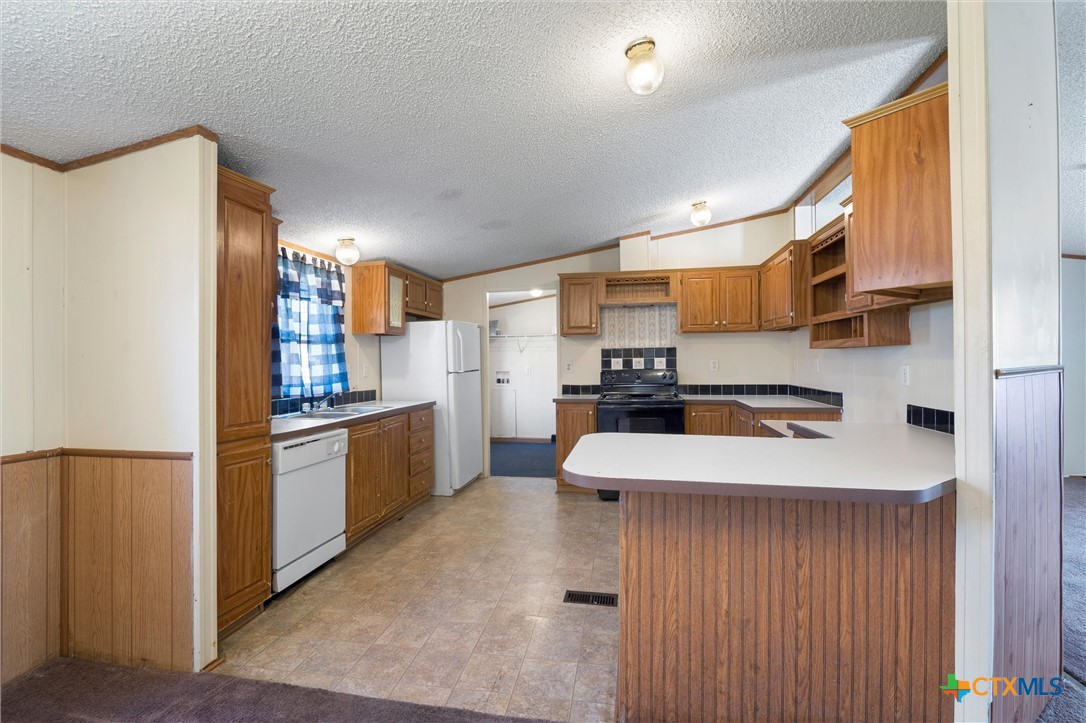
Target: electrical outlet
[818, 365]
[714, 365]
[638, 363]
[365, 370]
[569, 367]
[904, 375]
[528, 371]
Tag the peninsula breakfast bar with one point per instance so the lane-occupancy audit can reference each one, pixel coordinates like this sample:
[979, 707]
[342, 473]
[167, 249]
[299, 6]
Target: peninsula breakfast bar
[805, 578]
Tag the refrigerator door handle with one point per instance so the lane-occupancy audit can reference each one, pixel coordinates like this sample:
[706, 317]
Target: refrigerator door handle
[460, 350]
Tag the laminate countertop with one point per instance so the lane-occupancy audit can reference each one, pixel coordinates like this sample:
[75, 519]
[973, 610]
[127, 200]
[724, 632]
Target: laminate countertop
[576, 398]
[753, 402]
[303, 425]
[848, 462]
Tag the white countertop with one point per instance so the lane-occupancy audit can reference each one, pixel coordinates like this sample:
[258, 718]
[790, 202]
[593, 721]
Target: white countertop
[894, 463]
[295, 426]
[576, 397]
[760, 402]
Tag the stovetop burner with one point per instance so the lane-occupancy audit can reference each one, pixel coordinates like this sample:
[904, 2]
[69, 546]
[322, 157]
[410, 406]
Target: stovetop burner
[639, 386]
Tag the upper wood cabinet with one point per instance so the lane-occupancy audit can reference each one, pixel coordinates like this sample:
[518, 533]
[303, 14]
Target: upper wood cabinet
[858, 301]
[573, 420]
[580, 305]
[243, 493]
[246, 306]
[715, 300]
[383, 295]
[901, 237]
[785, 281]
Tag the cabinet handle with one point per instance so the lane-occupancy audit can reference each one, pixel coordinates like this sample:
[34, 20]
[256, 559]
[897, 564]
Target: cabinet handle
[269, 461]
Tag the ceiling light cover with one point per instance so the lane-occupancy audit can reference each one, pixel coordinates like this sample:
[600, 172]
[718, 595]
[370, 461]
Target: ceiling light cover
[645, 70]
[347, 253]
[536, 293]
[700, 215]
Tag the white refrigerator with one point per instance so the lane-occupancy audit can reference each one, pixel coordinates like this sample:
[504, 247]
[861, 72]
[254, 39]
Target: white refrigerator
[439, 360]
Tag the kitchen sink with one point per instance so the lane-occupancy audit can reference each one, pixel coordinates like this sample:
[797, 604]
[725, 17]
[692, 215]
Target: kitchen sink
[330, 415]
[363, 408]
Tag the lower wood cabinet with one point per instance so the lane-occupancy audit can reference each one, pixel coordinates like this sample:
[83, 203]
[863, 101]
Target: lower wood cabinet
[390, 465]
[244, 528]
[713, 420]
[744, 423]
[573, 421]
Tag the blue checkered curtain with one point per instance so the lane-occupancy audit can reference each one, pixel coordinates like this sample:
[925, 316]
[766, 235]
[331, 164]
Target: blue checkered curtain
[308, 359]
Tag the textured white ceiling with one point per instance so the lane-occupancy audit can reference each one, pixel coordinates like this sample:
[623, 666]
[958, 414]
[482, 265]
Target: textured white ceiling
[454, 137]
[1071, 61]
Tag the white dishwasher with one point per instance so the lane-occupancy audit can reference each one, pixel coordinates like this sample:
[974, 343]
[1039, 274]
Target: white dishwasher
[309, 504]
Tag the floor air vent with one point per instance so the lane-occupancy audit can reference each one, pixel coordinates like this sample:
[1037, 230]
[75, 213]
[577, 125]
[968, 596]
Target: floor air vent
[606, 599]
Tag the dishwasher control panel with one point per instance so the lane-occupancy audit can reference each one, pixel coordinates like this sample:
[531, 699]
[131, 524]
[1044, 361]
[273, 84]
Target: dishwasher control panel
[295, 454]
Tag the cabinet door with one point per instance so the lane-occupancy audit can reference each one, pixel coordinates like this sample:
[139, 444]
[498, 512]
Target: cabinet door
[854, 300]
[573, 422]
[246, 295]
[744, 423]
[244, 528]
[699, 301]
[765, 298]
[580, 304]
[365, 460]
[739, 297]
[397, 289]
[435, 299]
[415, 295]
[394, 482]
[706, 419]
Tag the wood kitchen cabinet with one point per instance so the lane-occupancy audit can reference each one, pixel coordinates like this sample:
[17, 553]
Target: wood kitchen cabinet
[743, 423]
[243, 493]
[858, 301]
[718, 300]
[390, 466]
[580, 305]
[784, 282]
[901, 235]
[423, 296]
[573, 421]
[247, 283]
[713, 420]
[378, 299]
[435, 299]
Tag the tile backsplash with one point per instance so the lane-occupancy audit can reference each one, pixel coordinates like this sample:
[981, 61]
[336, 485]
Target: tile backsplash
[294, 405]
[647, 357]
[639, 326]
[821, 396]
[939, 420]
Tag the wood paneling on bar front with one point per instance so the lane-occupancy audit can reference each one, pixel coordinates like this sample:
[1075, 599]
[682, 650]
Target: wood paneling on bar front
[31, 576]
[744, 608]
[130, 561]
[1028, 525]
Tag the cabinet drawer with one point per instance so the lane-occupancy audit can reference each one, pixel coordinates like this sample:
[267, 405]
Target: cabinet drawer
[421, 462]
[421, 483]
[422, 420]
[421, 441]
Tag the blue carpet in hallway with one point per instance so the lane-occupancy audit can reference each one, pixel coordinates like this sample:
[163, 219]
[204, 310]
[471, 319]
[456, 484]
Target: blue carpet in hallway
[521, 459]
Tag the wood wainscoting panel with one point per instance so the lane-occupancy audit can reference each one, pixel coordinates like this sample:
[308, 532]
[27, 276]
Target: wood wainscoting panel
[1028, 532]
[744, 608]
[129, 561]
[32, 584]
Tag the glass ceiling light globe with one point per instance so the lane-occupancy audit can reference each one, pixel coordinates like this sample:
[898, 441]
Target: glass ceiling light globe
[347, 253]
[700, 215]
[645, 70]
[536, 293]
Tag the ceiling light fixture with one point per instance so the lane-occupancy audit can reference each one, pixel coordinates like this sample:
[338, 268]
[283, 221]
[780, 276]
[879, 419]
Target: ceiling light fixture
[700, 215]
[536, 293]
[347, 252]
[645, 70]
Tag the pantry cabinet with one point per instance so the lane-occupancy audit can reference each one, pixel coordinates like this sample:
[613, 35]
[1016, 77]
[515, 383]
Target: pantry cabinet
[901, 236]
[580, 305]
[573, 421]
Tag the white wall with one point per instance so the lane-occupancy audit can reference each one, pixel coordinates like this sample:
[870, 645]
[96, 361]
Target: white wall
[741, 244]
[535, 390]
[1073, 285]
[32, 267]
[869, 378]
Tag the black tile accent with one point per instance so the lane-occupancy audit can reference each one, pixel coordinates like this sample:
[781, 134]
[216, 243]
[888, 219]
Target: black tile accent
[605, 353]
[939, 420]
[627, 362]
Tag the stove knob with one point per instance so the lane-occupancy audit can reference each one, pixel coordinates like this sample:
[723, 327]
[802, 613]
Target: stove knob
[637, 376]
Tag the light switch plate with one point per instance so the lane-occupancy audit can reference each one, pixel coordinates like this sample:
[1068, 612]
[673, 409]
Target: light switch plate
[616, 363]
[659, 363]
[639, 364]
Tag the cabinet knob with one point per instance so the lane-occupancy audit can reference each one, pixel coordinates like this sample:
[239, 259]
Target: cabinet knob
[723, 323]
[693, 414]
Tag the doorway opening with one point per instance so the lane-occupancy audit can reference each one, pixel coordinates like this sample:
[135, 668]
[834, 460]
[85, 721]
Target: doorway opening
[523, 344]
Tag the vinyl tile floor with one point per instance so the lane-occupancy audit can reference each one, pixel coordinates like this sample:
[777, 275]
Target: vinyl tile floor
[458, 604]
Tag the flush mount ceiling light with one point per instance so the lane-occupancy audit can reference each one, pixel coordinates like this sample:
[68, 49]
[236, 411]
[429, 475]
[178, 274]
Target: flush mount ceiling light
[645, 70]
[700, 215]
[347, 253]
[536, 293]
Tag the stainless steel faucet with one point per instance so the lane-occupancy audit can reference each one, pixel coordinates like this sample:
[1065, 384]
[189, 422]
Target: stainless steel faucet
[323, 404]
